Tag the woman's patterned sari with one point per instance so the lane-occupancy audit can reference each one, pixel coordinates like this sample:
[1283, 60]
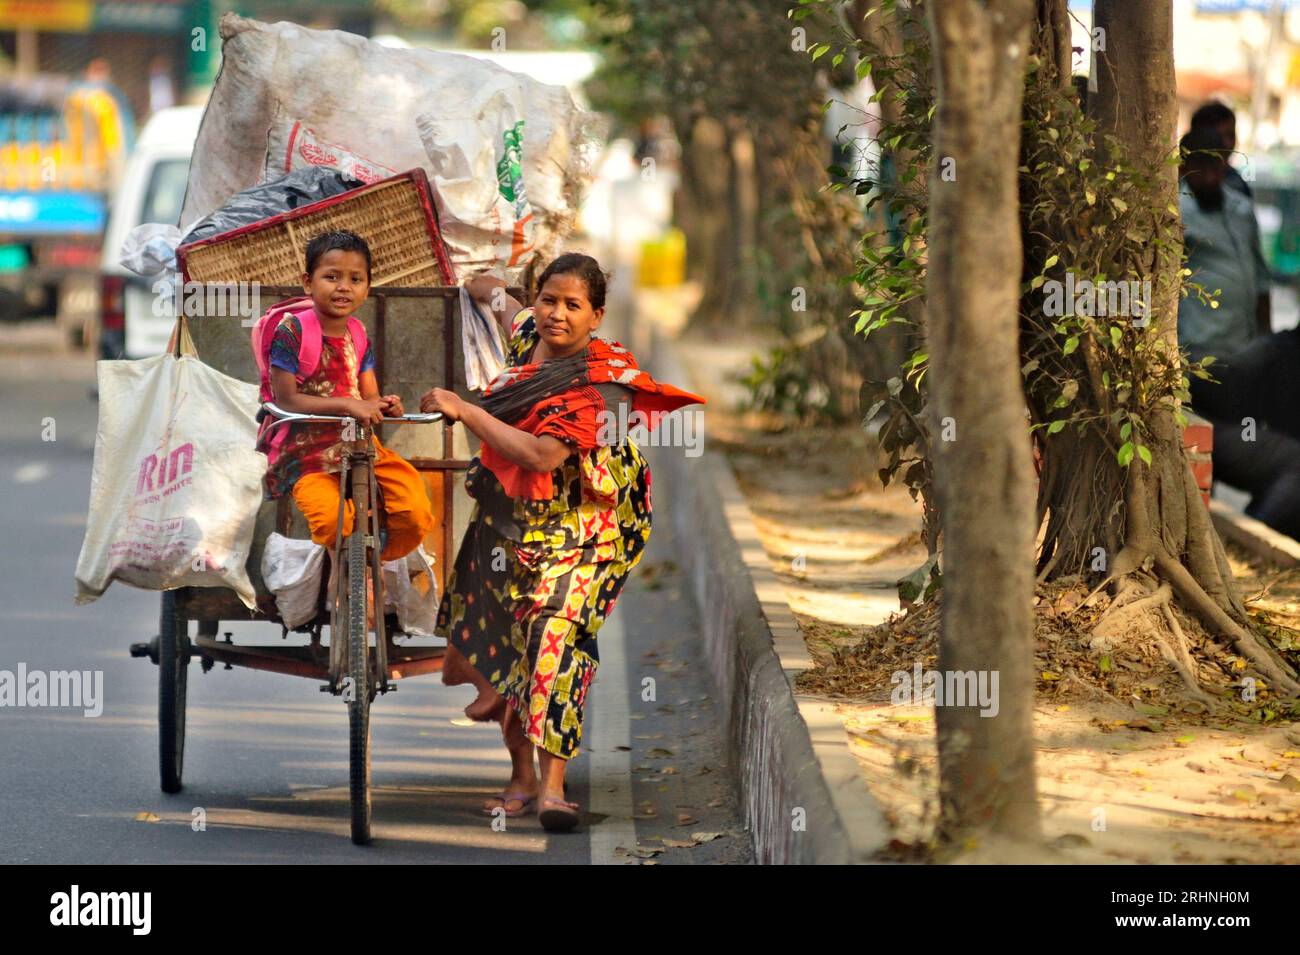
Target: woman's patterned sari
[536, 577]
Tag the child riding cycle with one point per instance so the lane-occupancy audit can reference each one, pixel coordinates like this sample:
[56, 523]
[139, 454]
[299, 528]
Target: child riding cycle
[320, 362]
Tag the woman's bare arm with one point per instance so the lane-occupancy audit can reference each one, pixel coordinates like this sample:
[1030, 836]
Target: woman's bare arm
[544, 453]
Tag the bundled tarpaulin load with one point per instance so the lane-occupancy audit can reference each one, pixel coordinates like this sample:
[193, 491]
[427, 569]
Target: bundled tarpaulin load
[149, 249]
[176, 483]
[509, 157]
[292, 190]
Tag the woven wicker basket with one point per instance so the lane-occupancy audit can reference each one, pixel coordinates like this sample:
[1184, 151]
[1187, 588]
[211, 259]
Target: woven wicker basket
[395, 217]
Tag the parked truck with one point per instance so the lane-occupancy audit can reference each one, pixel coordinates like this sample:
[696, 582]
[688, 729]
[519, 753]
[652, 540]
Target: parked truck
[63, 146]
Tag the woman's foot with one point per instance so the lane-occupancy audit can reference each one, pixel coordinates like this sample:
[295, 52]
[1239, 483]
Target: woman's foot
[514, 803]
[558, 815]
[489, 705]
[456, 669]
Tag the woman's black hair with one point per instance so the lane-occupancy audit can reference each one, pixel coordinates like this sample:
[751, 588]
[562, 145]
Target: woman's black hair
[340, 240]
[585, 268]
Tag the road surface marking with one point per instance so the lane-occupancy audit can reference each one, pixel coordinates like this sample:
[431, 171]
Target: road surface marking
[32, 472]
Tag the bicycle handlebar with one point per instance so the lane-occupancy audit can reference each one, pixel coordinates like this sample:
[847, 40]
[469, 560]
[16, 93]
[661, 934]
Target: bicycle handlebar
[292, 417]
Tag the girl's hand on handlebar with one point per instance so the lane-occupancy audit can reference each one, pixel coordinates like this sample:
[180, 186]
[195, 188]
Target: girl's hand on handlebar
[366, 410]
[439, 399]
[392, 406]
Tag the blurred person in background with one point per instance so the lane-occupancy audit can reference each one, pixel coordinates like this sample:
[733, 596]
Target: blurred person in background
[1219, 118]
[162, 91]
[1254, 405]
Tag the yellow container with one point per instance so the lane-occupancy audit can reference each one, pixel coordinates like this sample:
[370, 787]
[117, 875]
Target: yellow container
[663, 260]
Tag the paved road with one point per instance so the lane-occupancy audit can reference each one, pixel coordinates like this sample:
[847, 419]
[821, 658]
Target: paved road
[266, 756]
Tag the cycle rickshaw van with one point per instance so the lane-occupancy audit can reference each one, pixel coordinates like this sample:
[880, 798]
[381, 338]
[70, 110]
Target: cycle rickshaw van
[412, 318]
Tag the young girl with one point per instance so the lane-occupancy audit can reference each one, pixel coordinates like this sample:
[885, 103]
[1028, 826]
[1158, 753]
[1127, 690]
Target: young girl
[338, 281]
[562, 515]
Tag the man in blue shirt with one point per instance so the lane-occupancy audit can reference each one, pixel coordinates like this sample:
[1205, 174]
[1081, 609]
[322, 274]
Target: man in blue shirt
[1219, 118]
[1253, 406]
[1223, 253]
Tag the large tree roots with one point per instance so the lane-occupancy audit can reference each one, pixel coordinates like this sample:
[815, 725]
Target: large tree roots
[1170, 554]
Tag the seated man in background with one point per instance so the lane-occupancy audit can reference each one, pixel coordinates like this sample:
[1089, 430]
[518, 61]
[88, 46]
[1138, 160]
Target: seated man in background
[1252, 408]
[1219, 118]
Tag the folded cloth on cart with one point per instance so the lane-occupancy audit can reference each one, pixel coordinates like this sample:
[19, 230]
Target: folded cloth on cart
[480, 335]
[292, 569]
[176, 483]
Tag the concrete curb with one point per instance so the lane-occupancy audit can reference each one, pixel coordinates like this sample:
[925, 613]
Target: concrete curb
[803, 794]
[1255, 536]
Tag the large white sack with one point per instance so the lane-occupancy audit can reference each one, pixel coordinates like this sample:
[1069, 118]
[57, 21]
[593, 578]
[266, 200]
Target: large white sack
[176, 483]
[411, 591]
[291, 570]
[346, 94]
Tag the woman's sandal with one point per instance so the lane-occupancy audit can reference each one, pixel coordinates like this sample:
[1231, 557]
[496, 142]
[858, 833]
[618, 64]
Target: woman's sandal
[526, 801]
[557, 815]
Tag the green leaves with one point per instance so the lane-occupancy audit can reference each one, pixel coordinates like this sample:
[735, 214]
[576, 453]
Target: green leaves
[1126, 451]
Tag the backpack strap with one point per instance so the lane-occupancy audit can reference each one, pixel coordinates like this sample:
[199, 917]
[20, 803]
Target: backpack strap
[360, 341]
[264, 332]
[310, 346]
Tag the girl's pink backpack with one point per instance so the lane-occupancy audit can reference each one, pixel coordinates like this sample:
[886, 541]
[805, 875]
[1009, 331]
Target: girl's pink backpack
[308, 351]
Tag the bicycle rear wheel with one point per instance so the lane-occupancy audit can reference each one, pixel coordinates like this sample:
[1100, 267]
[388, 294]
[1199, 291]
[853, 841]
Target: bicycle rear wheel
[173, 667]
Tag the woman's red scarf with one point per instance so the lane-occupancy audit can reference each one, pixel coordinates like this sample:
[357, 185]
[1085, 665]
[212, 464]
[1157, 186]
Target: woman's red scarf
[558, 397]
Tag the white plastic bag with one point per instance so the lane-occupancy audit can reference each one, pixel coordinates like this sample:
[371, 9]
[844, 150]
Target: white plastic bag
[150, 248]
[176, 483]
[292, 568]
[411, 591]
[475, 150]
[480, 339]
[270, 82]
[292, 145]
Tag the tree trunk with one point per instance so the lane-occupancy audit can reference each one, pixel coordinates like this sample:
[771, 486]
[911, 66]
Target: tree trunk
[1145, 517]
[983, 472]
[703, 205]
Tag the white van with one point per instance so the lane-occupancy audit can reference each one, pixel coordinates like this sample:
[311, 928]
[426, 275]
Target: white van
[152, 190]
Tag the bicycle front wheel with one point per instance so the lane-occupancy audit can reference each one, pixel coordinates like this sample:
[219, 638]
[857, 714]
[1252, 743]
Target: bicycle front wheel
[358, 670]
